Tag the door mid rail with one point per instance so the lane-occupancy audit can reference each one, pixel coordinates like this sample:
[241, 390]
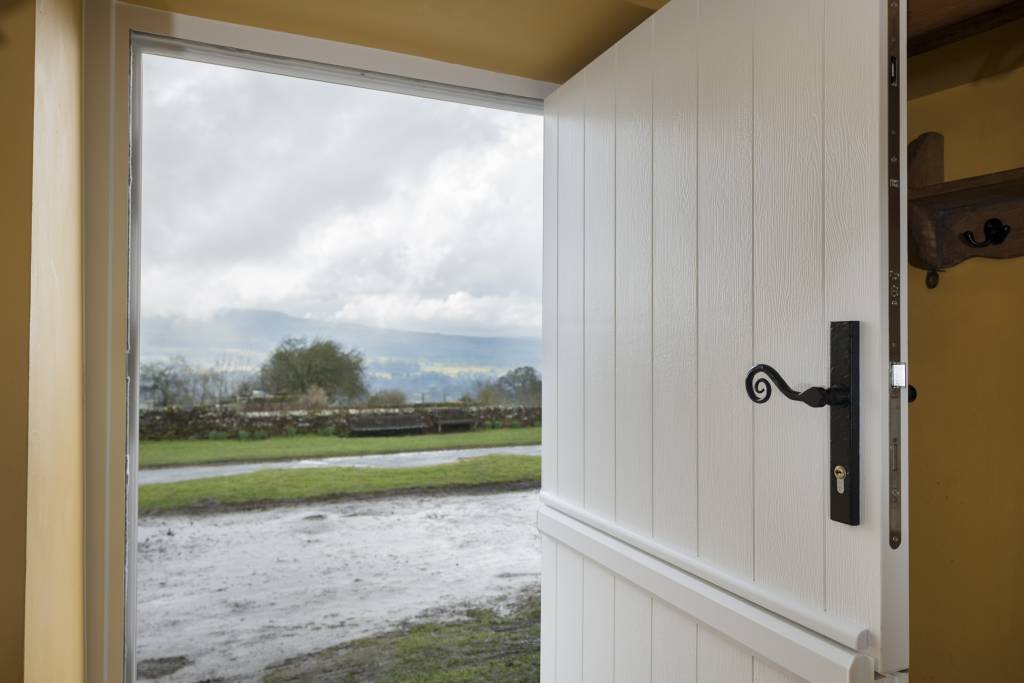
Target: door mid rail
[809, 654]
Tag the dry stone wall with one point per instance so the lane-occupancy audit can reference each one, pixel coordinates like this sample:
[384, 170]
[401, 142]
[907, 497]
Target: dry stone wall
[231, 423]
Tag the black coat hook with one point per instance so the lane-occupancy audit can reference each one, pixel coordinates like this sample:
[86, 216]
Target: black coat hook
[995, 233]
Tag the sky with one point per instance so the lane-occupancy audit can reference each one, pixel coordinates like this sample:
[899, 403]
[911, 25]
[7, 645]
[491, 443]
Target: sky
[338, 203]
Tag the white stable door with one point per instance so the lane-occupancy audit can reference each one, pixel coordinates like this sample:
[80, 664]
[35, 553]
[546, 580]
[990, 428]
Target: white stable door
[721, 186]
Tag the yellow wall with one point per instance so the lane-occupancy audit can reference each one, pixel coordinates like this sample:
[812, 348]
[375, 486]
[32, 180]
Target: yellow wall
[17, 49]
[967, 362]
[41, 567]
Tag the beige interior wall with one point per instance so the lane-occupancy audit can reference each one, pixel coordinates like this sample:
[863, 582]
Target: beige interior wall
[967, 362]
[54, 639]
[17, 50]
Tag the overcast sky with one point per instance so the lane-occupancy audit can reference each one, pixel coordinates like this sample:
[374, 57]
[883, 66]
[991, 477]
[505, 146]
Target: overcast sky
[332, 202]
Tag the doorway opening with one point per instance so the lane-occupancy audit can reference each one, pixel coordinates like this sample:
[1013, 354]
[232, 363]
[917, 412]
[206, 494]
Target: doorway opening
[337, 369]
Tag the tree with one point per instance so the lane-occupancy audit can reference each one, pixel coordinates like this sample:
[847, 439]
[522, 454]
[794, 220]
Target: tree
[521, 386]
[315, 398]
[298, 365]
[166, 383]
[175, 382]
[488, 393]
[387, 398]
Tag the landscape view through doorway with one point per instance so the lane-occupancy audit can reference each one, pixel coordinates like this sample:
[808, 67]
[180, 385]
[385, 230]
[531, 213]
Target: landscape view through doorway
[340, 380]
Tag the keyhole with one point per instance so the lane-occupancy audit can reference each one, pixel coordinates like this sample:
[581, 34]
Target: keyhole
[840, 474]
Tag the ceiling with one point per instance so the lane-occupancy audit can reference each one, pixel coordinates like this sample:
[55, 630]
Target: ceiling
[546, 40]
[924, 16]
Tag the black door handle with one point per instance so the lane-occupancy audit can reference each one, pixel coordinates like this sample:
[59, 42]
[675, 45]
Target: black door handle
[760, 390]
[842, 396]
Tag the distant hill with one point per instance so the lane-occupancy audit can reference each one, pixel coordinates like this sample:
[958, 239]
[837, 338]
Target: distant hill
[417, 362]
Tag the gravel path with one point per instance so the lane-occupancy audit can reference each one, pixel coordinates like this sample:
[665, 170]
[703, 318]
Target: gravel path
[234, 592]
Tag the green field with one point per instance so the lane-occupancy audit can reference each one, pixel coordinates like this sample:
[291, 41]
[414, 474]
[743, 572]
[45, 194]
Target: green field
[272, 487]
[484, 645]
[195, 452]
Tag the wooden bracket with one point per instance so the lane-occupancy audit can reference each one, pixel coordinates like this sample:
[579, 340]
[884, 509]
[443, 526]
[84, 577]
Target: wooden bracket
[944, 215]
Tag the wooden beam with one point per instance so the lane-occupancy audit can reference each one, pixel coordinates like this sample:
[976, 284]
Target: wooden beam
[927, 32]
[653, 5]
[926, 160]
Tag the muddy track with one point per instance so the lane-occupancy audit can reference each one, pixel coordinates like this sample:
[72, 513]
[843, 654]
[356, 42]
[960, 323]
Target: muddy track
[226, 595]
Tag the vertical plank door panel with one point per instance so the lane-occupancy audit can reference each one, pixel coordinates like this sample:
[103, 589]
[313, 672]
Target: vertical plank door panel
[675, 275]
[569, 620]
[724, 300]
[720, 660]
[854, 226]
[548, 608]
[715, 195]
[549, 300]
[791, 454]
[633, 280]
[570, 291]
[673, 646]
[599, 286]
[632, 633]
[598, 623]
[764, 672]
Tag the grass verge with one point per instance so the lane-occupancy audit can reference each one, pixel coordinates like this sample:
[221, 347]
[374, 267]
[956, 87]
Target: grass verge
[195, 452]
[277, 487]
[484, 645]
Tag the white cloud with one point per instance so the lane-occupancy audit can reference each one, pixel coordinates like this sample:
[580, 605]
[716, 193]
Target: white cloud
[451, 313]
[326, 201]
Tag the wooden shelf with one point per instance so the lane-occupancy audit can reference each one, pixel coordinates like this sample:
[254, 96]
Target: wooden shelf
[993, 188]
[940, 213]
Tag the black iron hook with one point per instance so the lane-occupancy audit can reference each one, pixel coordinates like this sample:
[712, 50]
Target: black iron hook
[760, 390]
[995, 233]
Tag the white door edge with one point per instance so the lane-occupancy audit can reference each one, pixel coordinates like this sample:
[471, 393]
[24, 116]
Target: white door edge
[765, 634]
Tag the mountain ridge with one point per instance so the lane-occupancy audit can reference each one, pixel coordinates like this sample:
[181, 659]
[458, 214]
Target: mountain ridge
[249, 335]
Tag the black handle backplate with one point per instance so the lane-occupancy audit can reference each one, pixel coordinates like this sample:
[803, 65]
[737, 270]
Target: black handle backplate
[842, 397]
[844, 423]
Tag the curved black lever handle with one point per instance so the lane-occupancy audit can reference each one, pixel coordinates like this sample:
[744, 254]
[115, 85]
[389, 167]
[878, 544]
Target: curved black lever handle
[760, 390]
[995, 233]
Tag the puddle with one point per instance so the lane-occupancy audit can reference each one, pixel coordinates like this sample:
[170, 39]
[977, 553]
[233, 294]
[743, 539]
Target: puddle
[231, 593]
[163, 475]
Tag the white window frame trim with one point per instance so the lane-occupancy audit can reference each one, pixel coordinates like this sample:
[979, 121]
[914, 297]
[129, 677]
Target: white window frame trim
[116, 35]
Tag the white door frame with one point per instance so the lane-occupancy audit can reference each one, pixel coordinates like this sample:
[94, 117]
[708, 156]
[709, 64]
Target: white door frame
[110, 331]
